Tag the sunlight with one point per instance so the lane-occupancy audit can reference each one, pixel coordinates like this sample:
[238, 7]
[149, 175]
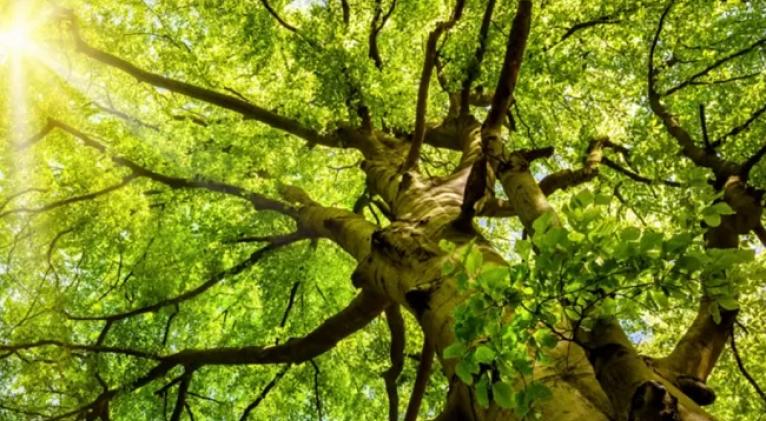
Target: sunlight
[15, 40]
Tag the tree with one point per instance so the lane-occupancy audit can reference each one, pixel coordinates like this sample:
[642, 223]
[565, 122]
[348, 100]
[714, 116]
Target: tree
[342, 210]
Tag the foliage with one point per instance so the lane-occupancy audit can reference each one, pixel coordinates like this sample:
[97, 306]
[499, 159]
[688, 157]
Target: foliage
[625, 248]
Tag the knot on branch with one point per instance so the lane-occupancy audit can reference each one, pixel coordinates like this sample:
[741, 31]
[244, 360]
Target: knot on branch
[696, 389]
[652, 402]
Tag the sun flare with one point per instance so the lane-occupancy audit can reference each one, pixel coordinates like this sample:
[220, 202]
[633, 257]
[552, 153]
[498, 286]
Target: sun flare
[15, 40]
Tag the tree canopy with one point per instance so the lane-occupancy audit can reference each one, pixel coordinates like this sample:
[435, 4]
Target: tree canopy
[346, 209]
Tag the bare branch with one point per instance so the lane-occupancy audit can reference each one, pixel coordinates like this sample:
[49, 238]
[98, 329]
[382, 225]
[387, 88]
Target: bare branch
[602, 20]
[396, 327]
[276, 16]
[421, 381]
[753, 161]
[97, 349]
[259, 202]
[568, 178]
[742, 369]
[740, 128]
[212, 281]
[64, 202]
[760, 43]
[232, 103]
[183, 389]
[474, 67]
[425, 82]
[514, 54]
[703, 125]
[316, 389]
[699, 156]
[346, 12]
[254, 404]
[635, 176]
[377, 24]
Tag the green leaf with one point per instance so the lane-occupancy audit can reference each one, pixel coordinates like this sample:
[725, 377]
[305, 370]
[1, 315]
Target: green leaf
[456, 350]
[630, 234]
[502, 393]
[484, 354]
[493, 275]
[584, 198]
[728, 303]
[463, 371]
[473, 260]
[542, 223]
[447, 246]
[715, 312]
[603, 199]
[572, 314]
[722, 208]
[545, 338]
[448, 267]
[712, 219]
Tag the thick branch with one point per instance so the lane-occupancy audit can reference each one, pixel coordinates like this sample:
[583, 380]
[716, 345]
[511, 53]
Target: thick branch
[396, 327]
[421, 381]
[565, 179]
[514, 53]
[362, 309]
[425, 82]
[475, 66]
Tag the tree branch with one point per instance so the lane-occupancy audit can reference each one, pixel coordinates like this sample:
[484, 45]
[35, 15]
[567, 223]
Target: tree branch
[753, 161]
[421, 381]
[232, 103]
[761, 42]
[98, 349]
[68, 201]
[212, 281]
[740, 128]
[742, 369]
[425, 82]
[474, 67]
[362, 309]
[276, 16]
[377, 24]
[260, 202]
[396, 327]
[183, 389]
[254, 404]
[514, 54]
[699, 156]
[635, 176]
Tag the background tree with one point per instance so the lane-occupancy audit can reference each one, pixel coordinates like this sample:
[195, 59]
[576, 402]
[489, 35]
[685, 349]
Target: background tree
[358, 209]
